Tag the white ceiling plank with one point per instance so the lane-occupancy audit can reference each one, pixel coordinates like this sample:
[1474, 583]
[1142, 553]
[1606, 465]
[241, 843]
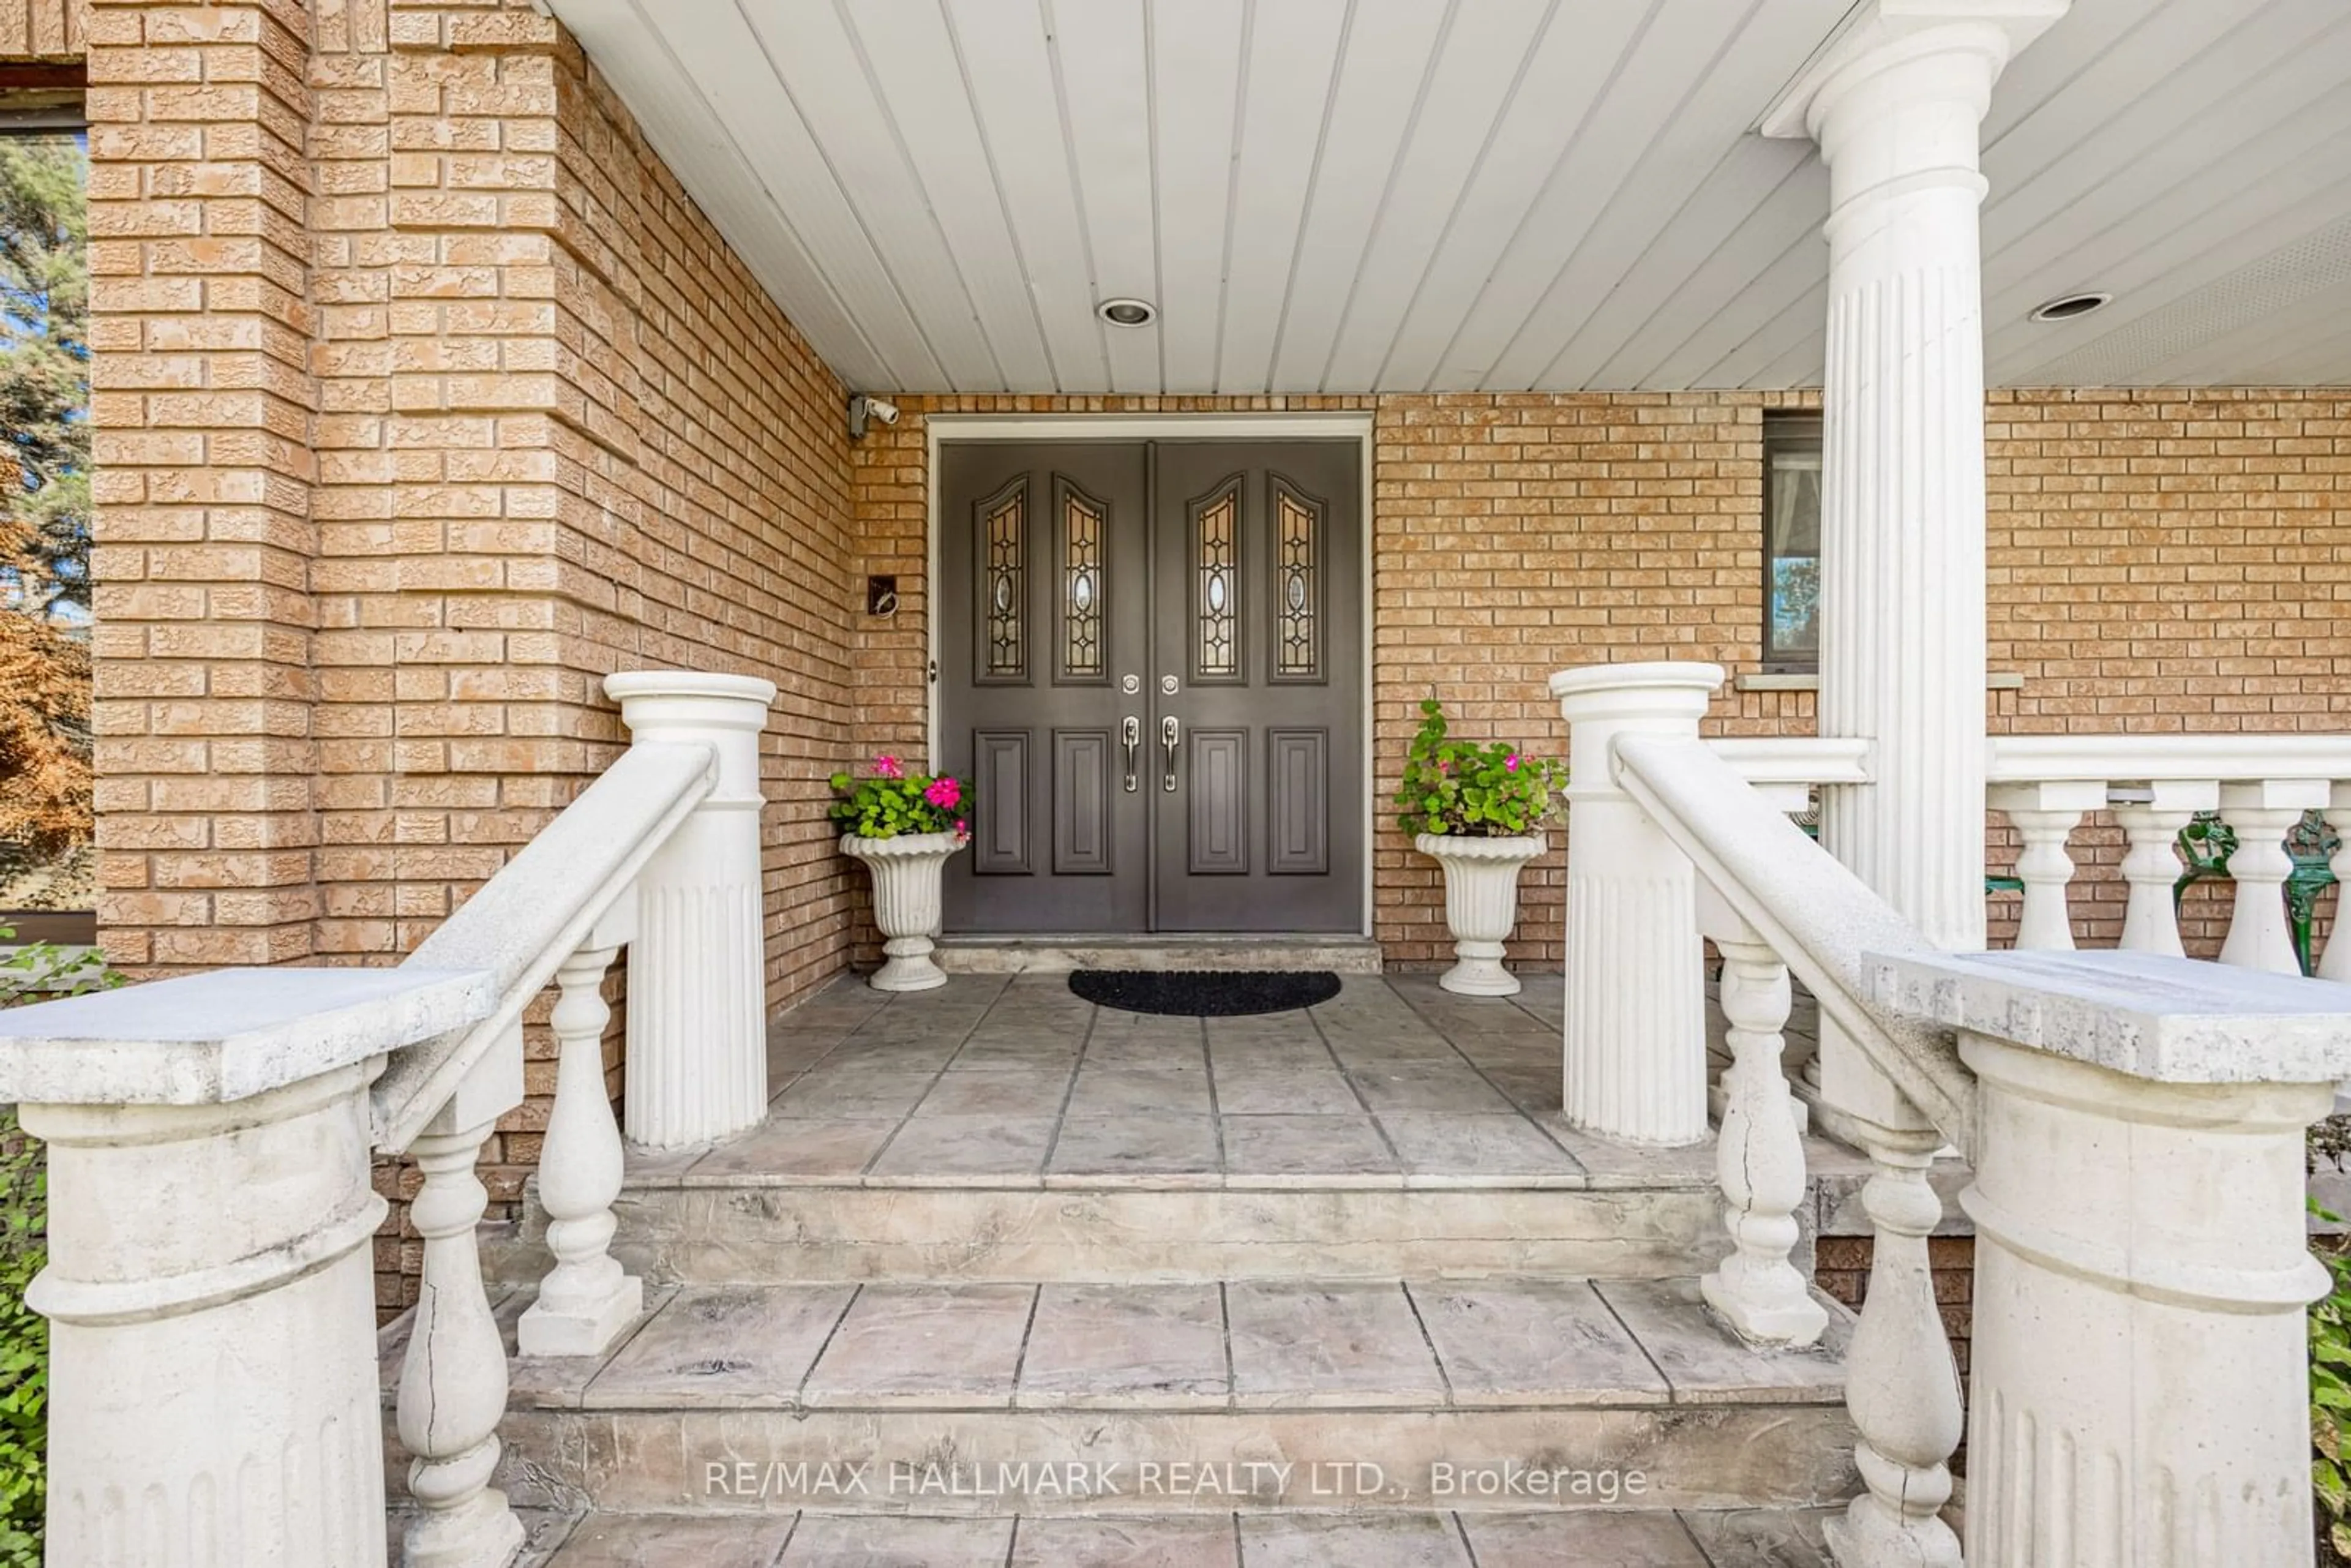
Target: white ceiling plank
[1294, 54]
[2244, 154]
[2057, 57]
[812, 52]
[1708, 303]
[2157, 137]
[2244, 355]
[923, 95]
[1803, 318]
[1804, 364]
[2303, 360]
[1711, 342]
[1391, 52]
[1196, 70]
[1001, 46]
[1101, 74]
[1741, 187]
[2262, 219]
[718, 47]
[681, 127]
[1581, 49]
[1732, 72]
[1474, 80]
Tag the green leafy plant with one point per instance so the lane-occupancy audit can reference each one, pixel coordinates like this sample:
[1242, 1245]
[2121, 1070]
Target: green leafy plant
[894, 801]
[37, 972]
[1476, 790]
[2330, 1398]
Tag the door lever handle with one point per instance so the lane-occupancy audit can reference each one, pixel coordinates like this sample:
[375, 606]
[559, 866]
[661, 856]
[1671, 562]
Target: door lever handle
[1170, 735]
[1130, 732]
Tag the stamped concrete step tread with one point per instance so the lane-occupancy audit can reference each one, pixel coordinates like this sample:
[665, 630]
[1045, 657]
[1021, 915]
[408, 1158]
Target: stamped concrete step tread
[1788, 1538]
[1235, 1346]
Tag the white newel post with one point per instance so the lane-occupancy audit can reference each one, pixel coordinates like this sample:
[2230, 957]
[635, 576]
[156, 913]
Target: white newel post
[2151, 867]
[1634, 1046]
[698, 1059]
[453, 1382]
[1896, 104]
[2260, 811]
[587, 1299]
[1758, 1154]
[2140, 1381]
[214, 1394]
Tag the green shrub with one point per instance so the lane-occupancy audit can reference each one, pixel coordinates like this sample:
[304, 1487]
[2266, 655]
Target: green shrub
[1493, 792]
[37, 972]
[2330, 1399]
[894, 801]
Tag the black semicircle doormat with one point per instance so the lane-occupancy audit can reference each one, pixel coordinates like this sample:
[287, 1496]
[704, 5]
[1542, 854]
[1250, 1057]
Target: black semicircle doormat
[1204, 993]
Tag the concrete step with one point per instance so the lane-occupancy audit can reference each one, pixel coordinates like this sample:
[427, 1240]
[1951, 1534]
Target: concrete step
[998, 1399]
[1694, 1538]
[1058, 954]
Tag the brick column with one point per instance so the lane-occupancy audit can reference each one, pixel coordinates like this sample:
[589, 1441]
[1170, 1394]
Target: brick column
[201, 408]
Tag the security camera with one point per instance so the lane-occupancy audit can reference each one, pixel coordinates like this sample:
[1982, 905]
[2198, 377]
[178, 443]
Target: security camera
[862, 409]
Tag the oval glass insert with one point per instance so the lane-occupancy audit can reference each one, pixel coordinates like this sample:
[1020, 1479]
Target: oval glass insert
[1217, 592]
[1296, 592]
[1003, 594]
[1081, 593]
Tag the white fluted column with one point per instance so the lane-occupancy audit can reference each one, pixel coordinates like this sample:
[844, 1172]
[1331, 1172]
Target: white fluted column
[2334, 960]
[1634, 1047]
[2044, 816]
[587, 1299]
[2151, 867]
[2260, 811]
[1896, 104]
[697, 1057]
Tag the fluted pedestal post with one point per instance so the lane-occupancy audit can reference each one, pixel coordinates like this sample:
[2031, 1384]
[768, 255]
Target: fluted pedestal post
[2140, 1381]
[697, 1061]
[1896, 104]
[1634, 1048]
[213, 1392]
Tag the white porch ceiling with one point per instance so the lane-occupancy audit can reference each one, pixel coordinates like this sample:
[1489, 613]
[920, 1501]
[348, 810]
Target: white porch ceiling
[1354, 195]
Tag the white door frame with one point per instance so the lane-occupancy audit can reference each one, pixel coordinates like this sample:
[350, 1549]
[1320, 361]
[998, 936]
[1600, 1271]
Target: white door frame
[1355, 426]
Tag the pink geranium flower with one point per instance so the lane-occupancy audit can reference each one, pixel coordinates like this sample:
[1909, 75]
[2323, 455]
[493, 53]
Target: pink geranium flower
[888, 767]
[944, 793]
[962, 828]
[1510, 763]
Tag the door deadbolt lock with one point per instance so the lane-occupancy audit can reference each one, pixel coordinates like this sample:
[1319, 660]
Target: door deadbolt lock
[1167, 685]
[1130, 685]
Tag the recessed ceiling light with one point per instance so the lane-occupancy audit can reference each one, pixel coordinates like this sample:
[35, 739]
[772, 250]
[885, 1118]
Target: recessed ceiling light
[1127, 312]
[2065, 307]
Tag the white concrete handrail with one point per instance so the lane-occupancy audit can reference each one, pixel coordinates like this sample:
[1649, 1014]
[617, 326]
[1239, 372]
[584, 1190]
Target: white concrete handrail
[1813, 913]
[2145, 759]
[536, 912]
[212, 1141]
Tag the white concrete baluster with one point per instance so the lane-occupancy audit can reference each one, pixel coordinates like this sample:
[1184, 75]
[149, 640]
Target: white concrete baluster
[1902, 1387]
[2044, 816]
[587, 1299]
[2152, 820]
[697, 1065]
[2260, 812]
[453, 1385]
[2335, 962]
[1759, 1156]
[1634, 1058]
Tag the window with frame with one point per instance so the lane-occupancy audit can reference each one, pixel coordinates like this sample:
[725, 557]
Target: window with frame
[1791, 542]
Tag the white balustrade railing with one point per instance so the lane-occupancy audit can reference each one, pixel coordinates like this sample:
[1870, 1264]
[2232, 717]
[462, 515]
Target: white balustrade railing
[211, 1140]
[2138, 1328]
[2155, 785]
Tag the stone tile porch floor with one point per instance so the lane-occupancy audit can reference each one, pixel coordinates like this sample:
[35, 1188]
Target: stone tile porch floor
[1595, 1539]
[1012, 1081]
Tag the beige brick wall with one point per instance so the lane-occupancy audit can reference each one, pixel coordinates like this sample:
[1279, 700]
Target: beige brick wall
[2160, 561]
[43, 30]
[426, 399]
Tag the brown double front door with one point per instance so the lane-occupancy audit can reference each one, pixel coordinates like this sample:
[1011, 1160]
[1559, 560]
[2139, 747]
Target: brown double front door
[1151, 667]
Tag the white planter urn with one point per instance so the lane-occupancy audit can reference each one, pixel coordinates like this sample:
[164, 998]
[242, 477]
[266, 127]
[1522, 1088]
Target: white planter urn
[1481, 904]
[906, 876]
